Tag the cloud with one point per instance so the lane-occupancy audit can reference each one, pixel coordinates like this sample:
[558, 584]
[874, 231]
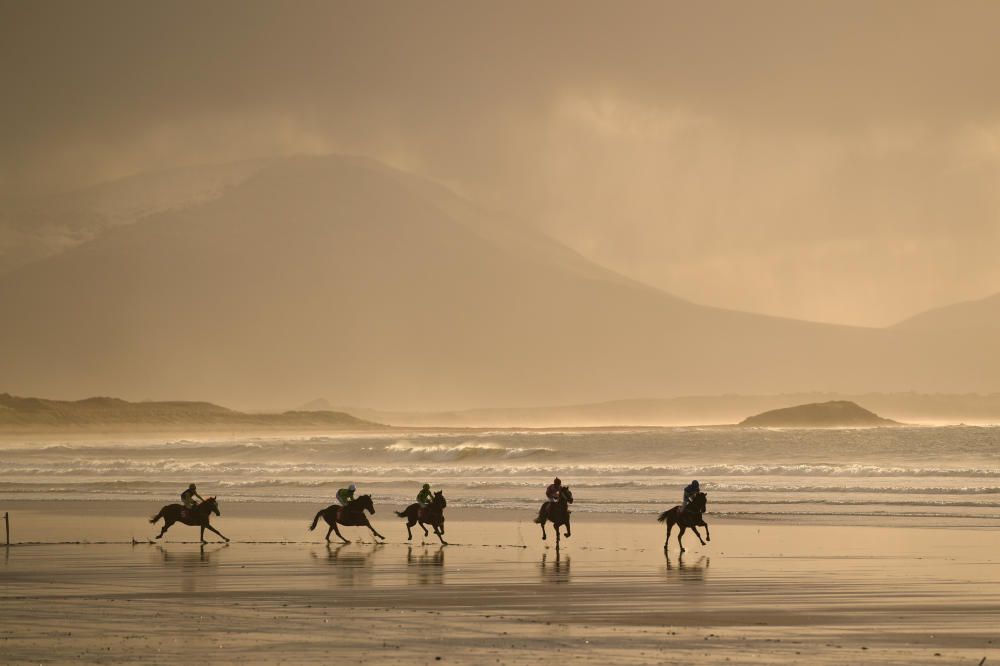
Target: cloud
[744, 154]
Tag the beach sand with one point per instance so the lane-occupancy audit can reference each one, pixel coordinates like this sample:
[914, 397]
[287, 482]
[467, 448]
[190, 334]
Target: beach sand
[758, 593]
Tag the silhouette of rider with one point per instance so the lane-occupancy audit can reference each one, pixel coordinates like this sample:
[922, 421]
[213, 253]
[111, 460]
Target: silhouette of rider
[690, 491]
[188, 498]
[346, 495]
[425, 496]
[551, 496]
[552, 492]
[424, 499]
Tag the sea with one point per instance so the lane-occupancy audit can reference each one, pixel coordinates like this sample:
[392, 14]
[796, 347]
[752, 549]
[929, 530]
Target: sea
[943, 475]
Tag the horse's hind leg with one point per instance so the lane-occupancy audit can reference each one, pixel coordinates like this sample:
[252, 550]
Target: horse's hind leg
[409, 532]
[335, 529]
[679, 535]
[670, 526]
[166, 526]
[697, 534]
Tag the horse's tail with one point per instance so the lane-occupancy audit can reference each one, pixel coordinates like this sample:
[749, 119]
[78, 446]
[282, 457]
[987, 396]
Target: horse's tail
[316, 519]
[401, 514]
[663, 516]
[156, 517]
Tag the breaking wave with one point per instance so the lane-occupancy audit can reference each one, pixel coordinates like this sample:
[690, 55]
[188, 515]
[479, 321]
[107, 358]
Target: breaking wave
[464, 451]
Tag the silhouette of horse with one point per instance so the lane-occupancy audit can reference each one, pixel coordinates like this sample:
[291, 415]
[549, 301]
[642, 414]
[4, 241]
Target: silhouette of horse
[352, 515]
[557, 512]
[433, 515]
[197, 515]
[690, 518]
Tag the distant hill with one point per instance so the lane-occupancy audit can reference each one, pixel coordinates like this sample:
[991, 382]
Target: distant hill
[833, 414]
[17, 412]
[339, 277]
[922, 408]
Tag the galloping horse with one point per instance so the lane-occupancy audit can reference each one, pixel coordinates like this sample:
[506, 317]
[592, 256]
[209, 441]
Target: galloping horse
[433, 515]
[197, 515]
[558, 512]
[692, 517]
[352, 515]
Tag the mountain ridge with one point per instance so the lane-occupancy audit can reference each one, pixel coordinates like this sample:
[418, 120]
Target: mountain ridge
[341, 277]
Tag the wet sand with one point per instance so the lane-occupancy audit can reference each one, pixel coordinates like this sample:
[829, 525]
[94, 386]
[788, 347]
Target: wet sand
[755, 594]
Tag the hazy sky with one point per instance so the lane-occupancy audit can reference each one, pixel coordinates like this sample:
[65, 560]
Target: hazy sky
[834, 161]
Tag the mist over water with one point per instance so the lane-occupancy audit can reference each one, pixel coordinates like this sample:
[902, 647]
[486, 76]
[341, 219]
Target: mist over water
[897, 473]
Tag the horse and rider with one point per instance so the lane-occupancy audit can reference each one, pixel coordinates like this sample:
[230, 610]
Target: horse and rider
[349, 511]
[556, 509]
[196, 513]
[688, 515]
[427, 510]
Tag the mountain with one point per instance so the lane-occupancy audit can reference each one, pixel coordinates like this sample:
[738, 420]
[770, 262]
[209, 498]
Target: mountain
[22, 413]
[340, 277]
[35, 227]
[832, 414]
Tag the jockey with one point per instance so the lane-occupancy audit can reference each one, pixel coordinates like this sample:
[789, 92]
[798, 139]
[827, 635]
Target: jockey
[690, 491]
[187, 497]
[425, 496]
[345, 495]
[552, 492]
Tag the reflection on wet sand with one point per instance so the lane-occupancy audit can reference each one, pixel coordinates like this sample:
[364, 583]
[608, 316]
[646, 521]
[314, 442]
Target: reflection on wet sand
[687, 570]
[555, 570]
[426, 566]
[196, 569]
[352, 561]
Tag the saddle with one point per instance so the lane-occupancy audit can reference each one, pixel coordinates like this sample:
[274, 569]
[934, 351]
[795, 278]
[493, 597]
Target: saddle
[344, 511]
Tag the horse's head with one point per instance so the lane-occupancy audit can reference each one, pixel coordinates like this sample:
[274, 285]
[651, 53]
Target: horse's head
[213, 505]
[439, 499]
[699, 502]
[365, 502]
[566, 494]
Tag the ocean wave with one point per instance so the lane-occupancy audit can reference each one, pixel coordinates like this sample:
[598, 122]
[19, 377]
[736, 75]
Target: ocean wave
[463, 451]
[446, 453]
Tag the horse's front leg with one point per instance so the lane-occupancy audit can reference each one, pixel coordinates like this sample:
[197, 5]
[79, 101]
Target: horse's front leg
[374, 531]
[568, 535]
[697, 534]
[423, 527]
[708, 537]
[218, 532]
[439, 532]
[544, 536]
[203, 534]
